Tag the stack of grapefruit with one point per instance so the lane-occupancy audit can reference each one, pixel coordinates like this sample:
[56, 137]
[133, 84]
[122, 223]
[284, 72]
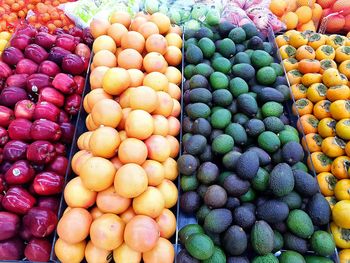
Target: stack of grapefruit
[123, 191]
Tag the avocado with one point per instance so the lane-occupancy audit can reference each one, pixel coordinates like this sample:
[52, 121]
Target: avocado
[229, 160]
[218, 80]
[270, 94]
[190, 202]
[238, 260]
[273, 124]
[261, 58]
[222, 144]
[188, 183]
[277, 68]
[254, 127]
[295, 243]
[300, 166]
[235, 240]
[203, 69]
[227, 48]
[237, 132]
[215, 237]
[199, 246]
[249, 196]
[293, 200]
[269, 48]
[207, 46]
[292, 152]
[197, 110]
[244, 71]
[243, 217]
[250, 30]
[266, 76]
[300, 224]
[262, 238]
[220, 119]
[241, 57]
[215, 133]
[317, 259]
[276, 157]
[319, 210]
[286, 136]
[272, 211]
[215, 197]
[193, 55]
[280, 227]
[225, 28]
[187, 230]
[322, 243]
[277, 241]
[232, 107]
[269, 141]
[201, 190]
[232, 203]
[247, 105]
[201, 126]
[195, 145]
[188, 71]
[237, 35]
[281, 180]
[216, 55]
[284, 119]
[268, 258]
[284, 89]
[290, 256]
[186, 137]
[235, 186]
[272, 108]
[198, 81]
[207, 154]
[187, 124]
[240, 118]
[280, 80]
[184, 257]
[217, 257]
[189, 33]
[249, 165]
[264, 157]
[204, 32]
[187, 164]
[222, 97]
[238, 86]
[218, 220]
[207, 173]
[255, 43]
[221, 64]
[305, 184]
[261, 181]
[202, 212]
[240, 48]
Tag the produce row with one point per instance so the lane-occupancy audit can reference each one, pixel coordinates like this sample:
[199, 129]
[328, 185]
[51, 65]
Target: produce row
[318, 70]
[242, 174]
[120, 195]
[42, 79]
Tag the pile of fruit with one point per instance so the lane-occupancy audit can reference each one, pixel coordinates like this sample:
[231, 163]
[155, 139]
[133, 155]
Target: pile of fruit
[307, 14]
[241, 169]
[120, 200]
[36, 12]
[41, 86]
[318, 69]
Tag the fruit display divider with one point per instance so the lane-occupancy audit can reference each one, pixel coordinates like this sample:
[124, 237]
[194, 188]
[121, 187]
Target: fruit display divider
[293, 118]
[79, 129]
[184, 219]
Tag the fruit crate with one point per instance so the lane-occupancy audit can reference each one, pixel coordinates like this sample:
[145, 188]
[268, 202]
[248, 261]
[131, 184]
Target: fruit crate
[184, 219]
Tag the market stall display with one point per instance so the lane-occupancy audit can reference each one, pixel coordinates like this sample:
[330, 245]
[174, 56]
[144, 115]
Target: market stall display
[162, 131]
[123, 194]
[317, 67]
